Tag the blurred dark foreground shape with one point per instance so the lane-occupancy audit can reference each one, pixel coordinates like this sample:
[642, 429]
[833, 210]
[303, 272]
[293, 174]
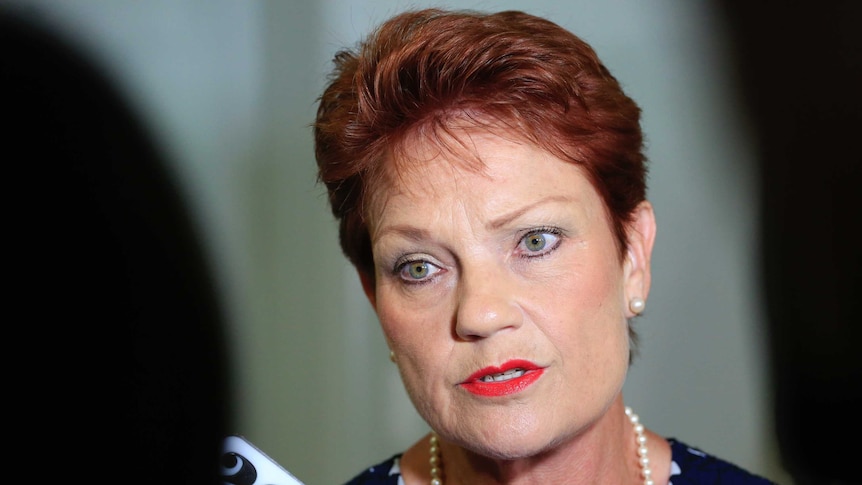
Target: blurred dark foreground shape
[800, 70]
[116, 367]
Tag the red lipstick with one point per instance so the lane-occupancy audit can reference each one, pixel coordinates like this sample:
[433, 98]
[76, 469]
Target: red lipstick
[509, 378]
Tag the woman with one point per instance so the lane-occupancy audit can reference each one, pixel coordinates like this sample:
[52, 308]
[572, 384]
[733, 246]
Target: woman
[488, 176]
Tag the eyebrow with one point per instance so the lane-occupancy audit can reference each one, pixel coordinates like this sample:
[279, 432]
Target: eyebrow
[511, 216]
[404, 230]
[417, 233]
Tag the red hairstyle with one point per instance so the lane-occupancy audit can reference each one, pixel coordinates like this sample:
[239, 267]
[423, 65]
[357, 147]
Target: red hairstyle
[422, 71]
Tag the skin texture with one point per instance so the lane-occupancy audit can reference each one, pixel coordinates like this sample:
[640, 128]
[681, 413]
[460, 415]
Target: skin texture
[474, 268]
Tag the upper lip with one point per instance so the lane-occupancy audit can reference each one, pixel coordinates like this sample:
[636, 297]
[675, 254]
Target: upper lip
[526, 365]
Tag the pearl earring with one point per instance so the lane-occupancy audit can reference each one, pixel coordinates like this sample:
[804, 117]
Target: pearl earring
[636, 305]
[392, 355]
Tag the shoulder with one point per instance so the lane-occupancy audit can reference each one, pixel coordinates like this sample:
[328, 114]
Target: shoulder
[384, 473]
[692, 466]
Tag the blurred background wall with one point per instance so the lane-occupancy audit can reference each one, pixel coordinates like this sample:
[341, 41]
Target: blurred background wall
[229, 89]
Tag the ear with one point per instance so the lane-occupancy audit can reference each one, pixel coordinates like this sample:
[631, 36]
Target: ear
[368, 287]
[641, 236]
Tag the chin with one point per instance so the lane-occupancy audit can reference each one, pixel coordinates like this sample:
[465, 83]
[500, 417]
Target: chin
[511, 449]
[512, 442]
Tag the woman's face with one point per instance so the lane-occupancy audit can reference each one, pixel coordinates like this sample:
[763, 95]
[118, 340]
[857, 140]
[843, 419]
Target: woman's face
[503, 294]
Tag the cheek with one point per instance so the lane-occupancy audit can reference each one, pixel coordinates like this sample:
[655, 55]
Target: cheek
[400, 320]
[394, 329]
[420, 351]
[587, 310]
[591, 338]
[414, 332]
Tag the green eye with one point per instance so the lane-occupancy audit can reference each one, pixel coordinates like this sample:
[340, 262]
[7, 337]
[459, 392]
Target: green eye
[417, 270]
[535, 241]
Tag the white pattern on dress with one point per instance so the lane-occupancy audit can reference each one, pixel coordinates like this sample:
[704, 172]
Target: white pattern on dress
[674, 470]
[396, 470]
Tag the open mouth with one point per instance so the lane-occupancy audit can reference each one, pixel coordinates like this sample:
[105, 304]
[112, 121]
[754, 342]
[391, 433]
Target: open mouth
[504, 376]
[511, 377]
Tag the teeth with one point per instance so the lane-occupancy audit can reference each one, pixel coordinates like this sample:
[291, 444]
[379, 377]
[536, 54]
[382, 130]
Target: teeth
[503, 376]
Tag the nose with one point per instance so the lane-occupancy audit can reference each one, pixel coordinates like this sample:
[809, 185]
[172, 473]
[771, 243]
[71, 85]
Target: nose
[487, 303]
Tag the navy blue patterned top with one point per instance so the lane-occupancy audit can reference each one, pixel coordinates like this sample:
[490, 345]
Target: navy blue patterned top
[689, 466]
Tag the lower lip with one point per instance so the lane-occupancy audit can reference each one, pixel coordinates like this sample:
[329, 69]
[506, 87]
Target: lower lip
[503, 388]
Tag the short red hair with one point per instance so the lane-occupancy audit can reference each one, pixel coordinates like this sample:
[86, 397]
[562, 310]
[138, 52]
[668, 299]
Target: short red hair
[422, 71]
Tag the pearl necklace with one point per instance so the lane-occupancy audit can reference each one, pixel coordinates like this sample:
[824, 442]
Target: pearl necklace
[643, 452]
[436, 479]
[640, 438]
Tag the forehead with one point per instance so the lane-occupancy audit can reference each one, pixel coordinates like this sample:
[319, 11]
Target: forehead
[447, 154]
[480, 167]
